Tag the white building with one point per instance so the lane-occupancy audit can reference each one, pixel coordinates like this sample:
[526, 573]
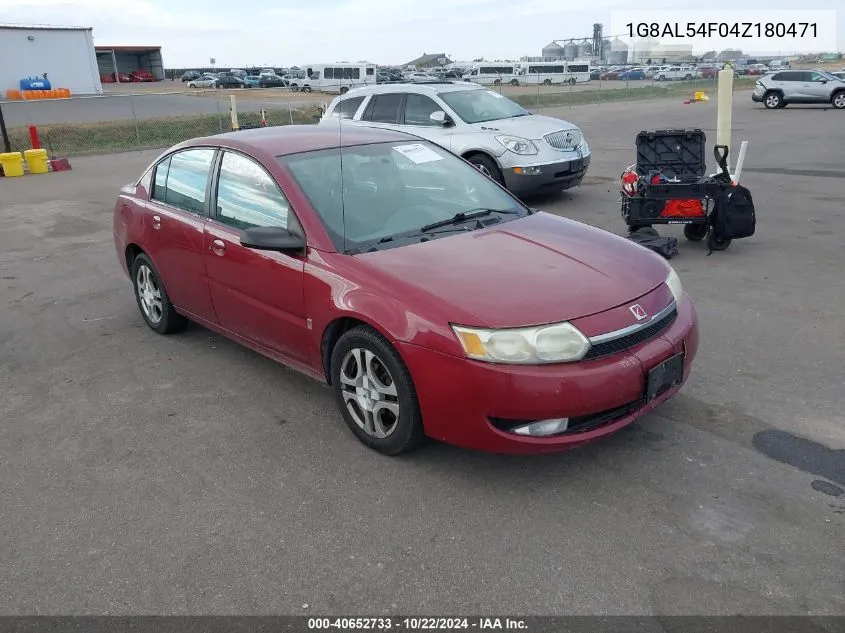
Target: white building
[65, 53]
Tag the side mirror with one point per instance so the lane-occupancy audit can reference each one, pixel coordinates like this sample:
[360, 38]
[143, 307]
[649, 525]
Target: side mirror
[440, 117]
[272, 238]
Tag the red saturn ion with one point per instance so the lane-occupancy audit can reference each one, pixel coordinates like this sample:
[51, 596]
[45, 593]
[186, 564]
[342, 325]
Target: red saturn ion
[431, 300]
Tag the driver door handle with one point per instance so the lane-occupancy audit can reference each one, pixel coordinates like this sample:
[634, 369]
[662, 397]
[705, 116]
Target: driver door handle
[218, 247]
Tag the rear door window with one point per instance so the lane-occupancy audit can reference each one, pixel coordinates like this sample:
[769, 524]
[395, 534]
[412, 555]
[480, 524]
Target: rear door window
[383, 108]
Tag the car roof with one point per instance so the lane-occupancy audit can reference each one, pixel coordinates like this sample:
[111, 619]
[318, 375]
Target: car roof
[282, 140]
[430, 87]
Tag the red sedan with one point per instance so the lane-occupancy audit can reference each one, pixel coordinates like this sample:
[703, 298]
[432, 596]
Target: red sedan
[430, 299]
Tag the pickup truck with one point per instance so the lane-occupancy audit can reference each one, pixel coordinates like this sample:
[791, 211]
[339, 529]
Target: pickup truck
[669, 73]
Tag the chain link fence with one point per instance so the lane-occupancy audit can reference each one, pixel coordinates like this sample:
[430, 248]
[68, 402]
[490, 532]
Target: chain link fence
[121, 122]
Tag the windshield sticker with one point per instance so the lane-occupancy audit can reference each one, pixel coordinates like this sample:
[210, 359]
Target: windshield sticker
[418, 153]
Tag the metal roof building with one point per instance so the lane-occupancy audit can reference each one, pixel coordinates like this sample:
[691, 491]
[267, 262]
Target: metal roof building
[64, 53]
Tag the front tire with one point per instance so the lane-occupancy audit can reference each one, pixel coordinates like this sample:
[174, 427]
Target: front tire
[344, 90]
[715, 243]
[153, 300]
[547, 82]
[773, 100]
[488, 167]
[375, 393]
[514, 82]
[838, 100]
[306, 89]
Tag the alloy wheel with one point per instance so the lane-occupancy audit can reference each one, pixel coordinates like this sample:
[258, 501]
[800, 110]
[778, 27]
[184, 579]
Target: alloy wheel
[369, 392]
[149, 293]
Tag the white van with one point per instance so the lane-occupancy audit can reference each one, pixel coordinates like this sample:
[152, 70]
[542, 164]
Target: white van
[494, 74]
[779, 64]
[335, 78]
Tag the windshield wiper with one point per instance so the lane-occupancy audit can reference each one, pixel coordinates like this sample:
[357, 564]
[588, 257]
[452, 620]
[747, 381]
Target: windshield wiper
[463, 216]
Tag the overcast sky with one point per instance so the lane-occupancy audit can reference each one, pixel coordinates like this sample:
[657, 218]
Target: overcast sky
[281, 32]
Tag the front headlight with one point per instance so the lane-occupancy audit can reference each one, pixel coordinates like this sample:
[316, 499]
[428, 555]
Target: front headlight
[556, 343]
[518, 145]
[674, 283]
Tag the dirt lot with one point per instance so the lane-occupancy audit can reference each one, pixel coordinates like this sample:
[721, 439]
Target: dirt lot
[148, 474]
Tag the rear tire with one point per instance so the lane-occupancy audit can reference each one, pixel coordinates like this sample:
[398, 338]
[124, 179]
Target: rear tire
[497, 82]
[152, 298]
[514, 82]
[487, 166]
[773, 100]
[547, 82]
[375, 393]
[306, 89]
[344, 90]
[838, 100]
[695, 232]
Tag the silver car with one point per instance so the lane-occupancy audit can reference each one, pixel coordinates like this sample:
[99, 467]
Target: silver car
[203, 82]
[524, 152]
[781, 88]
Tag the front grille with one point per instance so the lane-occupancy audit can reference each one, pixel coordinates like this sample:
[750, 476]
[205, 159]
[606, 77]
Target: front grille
[564, 139]
[628, 341]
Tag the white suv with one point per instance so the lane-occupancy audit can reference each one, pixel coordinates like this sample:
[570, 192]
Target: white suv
[524, 152]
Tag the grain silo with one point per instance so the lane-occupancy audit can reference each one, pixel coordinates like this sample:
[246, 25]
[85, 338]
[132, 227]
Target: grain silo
[618, 52]
[552, 51]
[570, 51]
[585, 50]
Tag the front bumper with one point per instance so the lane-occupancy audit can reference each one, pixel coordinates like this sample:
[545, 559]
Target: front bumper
[522, 176]
[756, 98]
[458, 397]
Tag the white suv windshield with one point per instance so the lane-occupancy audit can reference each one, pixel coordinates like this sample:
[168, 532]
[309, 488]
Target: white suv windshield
[477, 106]
[387, 192]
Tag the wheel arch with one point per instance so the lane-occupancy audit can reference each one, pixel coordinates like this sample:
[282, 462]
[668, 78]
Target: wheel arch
[337, 328]
[130, 253]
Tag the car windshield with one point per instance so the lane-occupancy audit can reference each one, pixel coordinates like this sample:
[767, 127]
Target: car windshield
[387, 192]
[477, 106]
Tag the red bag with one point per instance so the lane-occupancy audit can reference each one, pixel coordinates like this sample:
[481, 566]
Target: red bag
[692, 208]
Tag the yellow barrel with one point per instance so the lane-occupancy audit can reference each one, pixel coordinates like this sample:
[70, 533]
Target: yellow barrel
[12, 164]
[37, 161]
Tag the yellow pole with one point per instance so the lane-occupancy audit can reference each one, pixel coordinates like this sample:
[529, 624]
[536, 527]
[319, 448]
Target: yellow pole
[233, 108]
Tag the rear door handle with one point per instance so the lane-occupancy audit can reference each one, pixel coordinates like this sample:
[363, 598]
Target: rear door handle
[156, 222]
[218, 247]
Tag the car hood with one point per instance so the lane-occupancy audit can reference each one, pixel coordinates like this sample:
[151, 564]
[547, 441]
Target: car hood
[530, 271]
[532, 127]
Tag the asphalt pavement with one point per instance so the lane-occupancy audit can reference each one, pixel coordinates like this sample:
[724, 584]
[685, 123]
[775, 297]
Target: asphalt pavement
[188, 475]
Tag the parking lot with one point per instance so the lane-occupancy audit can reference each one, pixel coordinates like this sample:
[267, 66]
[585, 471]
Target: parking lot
[186, 474]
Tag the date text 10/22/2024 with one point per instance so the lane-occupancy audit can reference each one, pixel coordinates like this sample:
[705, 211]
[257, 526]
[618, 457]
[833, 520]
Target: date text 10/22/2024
[416, 624]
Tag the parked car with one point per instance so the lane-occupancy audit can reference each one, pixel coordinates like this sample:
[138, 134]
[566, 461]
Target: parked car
[383, 273]
[252, 81]
[595, 74]
[230, 81]
[677, 73]
[632, 74]
[272, 81]
[190, 75]
[650, 70]
[524, 152]
[756, 69]
[611, 73]
[778, 90]
[203, 82]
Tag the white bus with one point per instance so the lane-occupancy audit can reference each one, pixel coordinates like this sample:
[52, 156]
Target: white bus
[335, 78]
[494, 73]
[549, 73]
